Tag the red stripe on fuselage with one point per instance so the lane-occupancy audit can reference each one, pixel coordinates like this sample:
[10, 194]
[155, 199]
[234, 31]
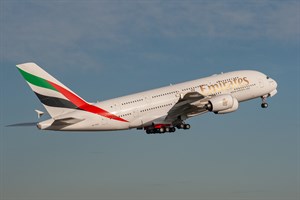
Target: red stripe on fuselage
[80, 103]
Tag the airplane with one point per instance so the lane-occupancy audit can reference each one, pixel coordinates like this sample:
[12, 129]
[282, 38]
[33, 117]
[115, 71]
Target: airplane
[161, 110]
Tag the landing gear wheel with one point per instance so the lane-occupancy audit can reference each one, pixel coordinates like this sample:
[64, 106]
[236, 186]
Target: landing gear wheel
[187, 126]
[150, 131]
[173, 129]
[264, 105]
[181, 126]
[168, 129]
[162, 130]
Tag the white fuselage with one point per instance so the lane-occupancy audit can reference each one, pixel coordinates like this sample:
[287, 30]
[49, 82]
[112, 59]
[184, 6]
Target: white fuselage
[151, 107]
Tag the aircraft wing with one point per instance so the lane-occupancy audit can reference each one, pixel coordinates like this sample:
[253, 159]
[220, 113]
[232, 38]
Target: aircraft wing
[189, 105]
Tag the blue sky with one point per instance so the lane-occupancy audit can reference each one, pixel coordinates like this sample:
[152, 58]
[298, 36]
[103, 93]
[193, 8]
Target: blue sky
[106, 49]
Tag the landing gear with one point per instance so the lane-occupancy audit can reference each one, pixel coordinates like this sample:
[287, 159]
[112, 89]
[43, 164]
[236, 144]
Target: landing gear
[183, 126]
[166, 128]
[187, 126]
[161, 130]
[180, 126]
[264, 104]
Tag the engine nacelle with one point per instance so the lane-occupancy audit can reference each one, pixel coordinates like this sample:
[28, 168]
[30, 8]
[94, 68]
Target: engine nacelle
[222, 104]
[232, 109]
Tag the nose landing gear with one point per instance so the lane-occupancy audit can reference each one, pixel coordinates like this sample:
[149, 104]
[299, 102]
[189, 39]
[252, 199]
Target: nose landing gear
[264, 104]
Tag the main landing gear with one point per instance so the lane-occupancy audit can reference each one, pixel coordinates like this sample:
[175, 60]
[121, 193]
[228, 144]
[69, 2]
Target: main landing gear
[264, 104]
[160, 129]
[183, 126]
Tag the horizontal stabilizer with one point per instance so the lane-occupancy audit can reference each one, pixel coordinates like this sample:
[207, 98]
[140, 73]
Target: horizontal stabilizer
[22, 124]
[66, 121]
[57, 124]
[39, 113]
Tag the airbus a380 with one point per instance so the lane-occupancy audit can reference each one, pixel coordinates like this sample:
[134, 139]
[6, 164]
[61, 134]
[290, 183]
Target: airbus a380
[155, 111]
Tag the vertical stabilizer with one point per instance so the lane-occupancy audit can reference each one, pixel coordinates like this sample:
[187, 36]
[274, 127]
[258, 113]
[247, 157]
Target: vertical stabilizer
[55, 97]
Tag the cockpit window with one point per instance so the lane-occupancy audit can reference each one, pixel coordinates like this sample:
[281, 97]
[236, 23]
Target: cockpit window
[268, 77]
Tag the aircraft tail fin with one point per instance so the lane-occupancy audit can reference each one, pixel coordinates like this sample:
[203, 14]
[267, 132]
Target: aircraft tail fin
[55, 97]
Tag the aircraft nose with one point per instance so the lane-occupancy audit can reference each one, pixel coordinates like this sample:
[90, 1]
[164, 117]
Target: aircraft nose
[273, 87]
[273, 83]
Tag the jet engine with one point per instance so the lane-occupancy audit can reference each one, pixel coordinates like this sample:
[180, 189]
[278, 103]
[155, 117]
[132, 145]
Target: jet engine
[222, 104]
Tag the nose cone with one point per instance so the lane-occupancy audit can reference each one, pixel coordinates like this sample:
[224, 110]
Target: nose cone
[273, 87]
[273, 83]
